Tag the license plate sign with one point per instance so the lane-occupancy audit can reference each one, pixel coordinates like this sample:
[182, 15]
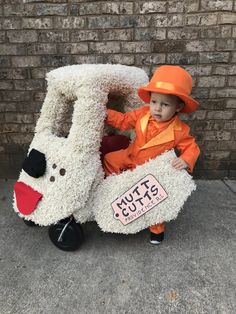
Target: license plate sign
[138, 200]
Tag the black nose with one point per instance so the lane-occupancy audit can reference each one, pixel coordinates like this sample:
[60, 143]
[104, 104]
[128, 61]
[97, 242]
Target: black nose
[35, 164]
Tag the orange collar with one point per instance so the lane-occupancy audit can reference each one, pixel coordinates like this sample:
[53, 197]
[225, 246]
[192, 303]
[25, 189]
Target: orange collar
[164, 136]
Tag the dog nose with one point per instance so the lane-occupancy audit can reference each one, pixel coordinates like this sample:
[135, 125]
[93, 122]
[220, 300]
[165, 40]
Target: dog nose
[35, 164]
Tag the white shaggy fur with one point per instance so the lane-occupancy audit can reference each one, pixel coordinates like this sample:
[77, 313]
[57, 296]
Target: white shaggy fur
[82, 191]
[177, 184]
[89, 86]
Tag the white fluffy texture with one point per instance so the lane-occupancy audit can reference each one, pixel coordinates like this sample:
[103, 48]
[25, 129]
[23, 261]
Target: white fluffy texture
[89, 85]
[82, 191]
[177, 184]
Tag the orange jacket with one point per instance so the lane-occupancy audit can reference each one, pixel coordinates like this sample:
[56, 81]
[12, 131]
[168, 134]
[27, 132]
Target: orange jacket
[166, 135]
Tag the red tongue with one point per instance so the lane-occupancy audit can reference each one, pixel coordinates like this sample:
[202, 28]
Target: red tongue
[26, 198]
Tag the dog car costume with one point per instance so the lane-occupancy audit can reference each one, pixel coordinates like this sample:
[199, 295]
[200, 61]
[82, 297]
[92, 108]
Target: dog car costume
[64, 175]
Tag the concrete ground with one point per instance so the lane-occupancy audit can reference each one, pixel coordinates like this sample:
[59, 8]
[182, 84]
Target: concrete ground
[192, 271]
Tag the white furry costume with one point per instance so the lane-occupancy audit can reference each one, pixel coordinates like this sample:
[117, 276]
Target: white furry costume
[82, 191]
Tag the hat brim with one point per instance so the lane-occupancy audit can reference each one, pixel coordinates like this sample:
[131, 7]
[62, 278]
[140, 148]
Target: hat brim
[190, 104]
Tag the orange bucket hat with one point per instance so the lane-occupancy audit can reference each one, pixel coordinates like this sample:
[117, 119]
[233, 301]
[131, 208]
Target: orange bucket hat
[174, 80]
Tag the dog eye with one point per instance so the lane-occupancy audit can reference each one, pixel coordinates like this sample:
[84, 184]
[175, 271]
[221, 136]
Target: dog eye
[62, 171]
[52, 179]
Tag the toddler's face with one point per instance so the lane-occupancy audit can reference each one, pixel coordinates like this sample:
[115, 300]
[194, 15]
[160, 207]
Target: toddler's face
[164, 106]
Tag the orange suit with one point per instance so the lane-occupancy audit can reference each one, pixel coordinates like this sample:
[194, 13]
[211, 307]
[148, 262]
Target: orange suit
[152, 139]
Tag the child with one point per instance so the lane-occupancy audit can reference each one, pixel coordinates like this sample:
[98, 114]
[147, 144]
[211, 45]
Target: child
[158, 127]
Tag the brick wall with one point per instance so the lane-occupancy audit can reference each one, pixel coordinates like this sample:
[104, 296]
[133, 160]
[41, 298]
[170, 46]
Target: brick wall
[37, 36]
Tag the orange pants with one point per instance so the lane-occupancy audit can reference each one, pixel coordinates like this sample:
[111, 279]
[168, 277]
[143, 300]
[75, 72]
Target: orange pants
[116, 162]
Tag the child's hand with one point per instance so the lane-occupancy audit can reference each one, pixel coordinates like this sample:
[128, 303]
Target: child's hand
[179, 164]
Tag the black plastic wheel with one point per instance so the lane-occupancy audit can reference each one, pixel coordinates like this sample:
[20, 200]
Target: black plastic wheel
[72, 237]
[30, 223]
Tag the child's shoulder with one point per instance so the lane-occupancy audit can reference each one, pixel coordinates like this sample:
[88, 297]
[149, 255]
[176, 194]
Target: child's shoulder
[180, 122]
[183, 124]
[183, 132]
[184, 127]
